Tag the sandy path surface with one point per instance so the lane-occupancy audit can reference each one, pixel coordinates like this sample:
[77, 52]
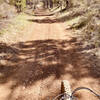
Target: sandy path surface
[33, 67]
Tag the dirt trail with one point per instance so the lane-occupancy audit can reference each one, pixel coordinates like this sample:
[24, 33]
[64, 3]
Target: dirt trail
[32, 68]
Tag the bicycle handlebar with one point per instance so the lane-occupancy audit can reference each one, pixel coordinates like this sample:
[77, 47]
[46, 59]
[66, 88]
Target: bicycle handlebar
[74, 91]
[81, 88]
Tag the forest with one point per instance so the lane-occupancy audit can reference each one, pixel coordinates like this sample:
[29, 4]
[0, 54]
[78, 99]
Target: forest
[45, 42]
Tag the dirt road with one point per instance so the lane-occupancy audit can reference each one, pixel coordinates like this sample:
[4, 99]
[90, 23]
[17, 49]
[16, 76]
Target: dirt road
[33, 67]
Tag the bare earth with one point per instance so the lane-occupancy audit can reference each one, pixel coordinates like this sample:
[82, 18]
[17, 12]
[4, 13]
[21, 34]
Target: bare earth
[33, 67]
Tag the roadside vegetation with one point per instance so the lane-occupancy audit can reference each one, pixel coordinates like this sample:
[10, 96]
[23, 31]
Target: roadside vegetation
[13, 27]
[85, 22]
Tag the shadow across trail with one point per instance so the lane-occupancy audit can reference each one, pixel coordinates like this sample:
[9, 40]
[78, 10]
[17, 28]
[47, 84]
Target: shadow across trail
[51, 19]
[44, 20]
[29, 62]
[57, 17]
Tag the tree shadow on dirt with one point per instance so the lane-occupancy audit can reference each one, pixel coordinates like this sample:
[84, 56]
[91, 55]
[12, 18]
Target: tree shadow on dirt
[29, 62]
[52, 20]
[58, 18]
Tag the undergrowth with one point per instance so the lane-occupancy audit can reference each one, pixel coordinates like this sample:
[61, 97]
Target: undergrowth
[87, 24]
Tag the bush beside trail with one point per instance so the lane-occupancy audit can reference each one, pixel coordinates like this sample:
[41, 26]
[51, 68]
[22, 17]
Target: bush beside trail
[87, 23]
[7, 11]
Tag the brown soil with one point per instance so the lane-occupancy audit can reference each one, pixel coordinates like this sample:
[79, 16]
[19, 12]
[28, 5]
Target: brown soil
[33, 67]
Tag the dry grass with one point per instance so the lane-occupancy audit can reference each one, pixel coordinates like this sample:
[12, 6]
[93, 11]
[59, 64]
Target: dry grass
[13, 27]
